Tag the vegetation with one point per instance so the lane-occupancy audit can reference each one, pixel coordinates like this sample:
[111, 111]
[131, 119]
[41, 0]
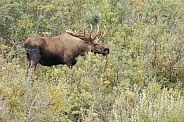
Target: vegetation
[142, 79]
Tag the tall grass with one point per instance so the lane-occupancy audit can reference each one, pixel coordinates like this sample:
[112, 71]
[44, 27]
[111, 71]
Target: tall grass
[140, 80]
[84, 93]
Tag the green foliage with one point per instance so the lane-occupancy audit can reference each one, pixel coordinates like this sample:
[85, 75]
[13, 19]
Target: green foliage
[93, 17]
[141, 79]
[10, 12]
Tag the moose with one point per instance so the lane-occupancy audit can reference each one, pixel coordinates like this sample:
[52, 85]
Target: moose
[63, 49]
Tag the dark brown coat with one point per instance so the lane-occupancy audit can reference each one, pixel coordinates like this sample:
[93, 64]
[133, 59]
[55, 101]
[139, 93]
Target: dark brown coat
[62, 49]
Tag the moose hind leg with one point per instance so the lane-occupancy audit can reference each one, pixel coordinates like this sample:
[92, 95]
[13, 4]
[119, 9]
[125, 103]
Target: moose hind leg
[33, 57]
[31, 67]
[28, 67]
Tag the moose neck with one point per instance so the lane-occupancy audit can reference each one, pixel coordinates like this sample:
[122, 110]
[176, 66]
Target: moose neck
[92, 48]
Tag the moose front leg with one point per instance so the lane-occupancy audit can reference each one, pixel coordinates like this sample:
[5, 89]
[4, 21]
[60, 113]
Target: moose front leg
[71, 63]
[69, 59]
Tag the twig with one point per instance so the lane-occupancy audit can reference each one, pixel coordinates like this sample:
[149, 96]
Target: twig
[8, 55]
[29, 115]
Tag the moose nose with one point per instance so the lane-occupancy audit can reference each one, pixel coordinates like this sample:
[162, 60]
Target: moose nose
[106, 50]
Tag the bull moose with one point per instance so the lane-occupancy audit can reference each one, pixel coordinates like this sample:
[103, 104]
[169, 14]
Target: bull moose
[62, 49]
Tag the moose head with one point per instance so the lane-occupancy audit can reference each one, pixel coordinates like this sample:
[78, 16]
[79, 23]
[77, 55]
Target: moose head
[92, 40]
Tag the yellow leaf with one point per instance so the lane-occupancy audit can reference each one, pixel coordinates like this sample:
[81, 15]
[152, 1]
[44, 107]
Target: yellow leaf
[106, 82]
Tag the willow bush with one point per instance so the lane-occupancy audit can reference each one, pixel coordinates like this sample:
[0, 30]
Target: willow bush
[140, 80]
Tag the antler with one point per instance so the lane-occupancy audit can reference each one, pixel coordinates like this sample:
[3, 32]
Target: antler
[88, 37]
[96, 32]
[102, 34]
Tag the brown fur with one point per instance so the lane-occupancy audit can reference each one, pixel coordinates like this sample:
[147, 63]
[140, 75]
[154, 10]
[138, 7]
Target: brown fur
[62, 49]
